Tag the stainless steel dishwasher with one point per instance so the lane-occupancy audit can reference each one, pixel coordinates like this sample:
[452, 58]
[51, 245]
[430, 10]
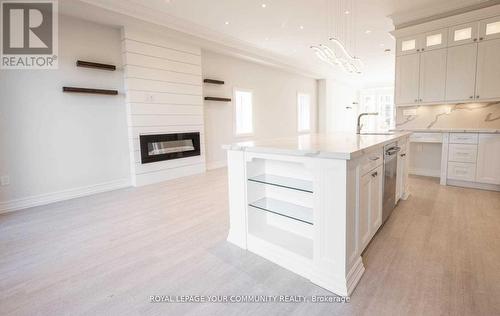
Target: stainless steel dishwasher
[390, 171]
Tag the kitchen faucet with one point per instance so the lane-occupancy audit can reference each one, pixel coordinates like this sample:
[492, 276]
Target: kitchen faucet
[358, 129]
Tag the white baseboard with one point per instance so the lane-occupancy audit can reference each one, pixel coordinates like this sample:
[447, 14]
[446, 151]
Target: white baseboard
[473, 185]
[216, 164]
[47, 198]
[425, 172]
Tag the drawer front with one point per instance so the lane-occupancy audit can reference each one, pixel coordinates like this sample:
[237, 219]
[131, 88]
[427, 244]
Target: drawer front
[426, 138]
[372, 160]
[463, 138]
[462, 153]
[461, 171]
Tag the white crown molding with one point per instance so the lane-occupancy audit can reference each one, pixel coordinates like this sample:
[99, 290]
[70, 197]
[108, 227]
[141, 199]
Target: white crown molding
[118, 13]
[458, 19]
[43, 199]
[438, 10]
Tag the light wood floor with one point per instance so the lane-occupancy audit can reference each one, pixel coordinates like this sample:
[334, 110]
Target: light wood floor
[439, 254]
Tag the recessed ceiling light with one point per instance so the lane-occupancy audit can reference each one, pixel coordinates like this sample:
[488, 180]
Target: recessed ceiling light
[227, 22]
[368, 31]
[347, 12]
[263, 5]
[301, 27]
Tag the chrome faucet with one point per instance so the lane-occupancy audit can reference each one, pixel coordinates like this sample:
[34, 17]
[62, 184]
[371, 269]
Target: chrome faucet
[358, 129]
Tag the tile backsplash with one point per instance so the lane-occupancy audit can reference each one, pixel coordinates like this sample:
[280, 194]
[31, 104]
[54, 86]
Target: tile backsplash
[468, 115]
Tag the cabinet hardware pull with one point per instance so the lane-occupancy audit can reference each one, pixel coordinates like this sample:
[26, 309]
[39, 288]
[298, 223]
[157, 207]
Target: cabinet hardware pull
[423, 49]
[471, 97]
[374, 158]
[374, 174]
[481, 38]
[477, 97]
[418, 50]
[403, 155]
[475, 40]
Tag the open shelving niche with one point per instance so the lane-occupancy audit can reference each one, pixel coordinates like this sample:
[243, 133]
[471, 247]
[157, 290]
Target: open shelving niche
[280, 210]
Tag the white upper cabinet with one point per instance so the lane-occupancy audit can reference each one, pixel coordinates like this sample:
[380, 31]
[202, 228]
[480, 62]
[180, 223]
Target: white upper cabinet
[432, 76]
[435, 40]
[489, 28]
[488, 159]
[409, 45]
[461, 72]
[463, 34]
[460, 63]
[407, 79]
[488, 70]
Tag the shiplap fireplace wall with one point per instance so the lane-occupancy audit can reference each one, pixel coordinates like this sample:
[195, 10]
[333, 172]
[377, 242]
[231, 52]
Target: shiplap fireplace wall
[164, 95]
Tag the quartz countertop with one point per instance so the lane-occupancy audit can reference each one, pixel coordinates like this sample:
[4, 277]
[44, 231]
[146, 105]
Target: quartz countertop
[450, 130]
[334, 146]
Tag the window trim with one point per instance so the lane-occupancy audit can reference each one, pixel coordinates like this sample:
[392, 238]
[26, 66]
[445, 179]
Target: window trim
[303, 131]
[235, 132]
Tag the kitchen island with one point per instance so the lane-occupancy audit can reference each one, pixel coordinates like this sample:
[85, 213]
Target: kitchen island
[311, 203]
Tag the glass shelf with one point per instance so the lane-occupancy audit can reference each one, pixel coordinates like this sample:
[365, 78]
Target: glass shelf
[290, 210]
[285, 182]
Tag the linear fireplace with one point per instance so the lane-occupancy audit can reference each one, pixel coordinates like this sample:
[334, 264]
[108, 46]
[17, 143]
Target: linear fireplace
[169, 146]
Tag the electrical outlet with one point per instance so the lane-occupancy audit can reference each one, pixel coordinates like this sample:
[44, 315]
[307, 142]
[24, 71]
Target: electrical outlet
[4, 180]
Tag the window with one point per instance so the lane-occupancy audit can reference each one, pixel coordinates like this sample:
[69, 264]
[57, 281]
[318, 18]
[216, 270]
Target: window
[243, 112]
[378, 100]
[303, 112]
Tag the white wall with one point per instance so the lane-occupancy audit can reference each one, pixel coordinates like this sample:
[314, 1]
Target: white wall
[57, 145]
[274, 102]
[337, 112]
[164, 95]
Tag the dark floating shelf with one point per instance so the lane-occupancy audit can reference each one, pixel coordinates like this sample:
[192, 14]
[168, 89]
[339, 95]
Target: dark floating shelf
[218, 99]
[213, 81]
[88, 64]
[87, 90]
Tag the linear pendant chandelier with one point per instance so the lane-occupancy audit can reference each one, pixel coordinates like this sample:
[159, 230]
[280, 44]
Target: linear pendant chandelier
[337, 54]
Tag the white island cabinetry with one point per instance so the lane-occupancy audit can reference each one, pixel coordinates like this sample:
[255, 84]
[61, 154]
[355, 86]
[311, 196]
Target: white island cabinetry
[310, 204]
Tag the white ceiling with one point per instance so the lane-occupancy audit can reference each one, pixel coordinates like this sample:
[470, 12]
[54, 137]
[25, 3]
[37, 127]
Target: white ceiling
[287, 28]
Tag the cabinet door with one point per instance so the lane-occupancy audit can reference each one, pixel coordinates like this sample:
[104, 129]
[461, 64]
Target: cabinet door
[463, 34]
[488, 70]
[435, 40]
[489, 28]
[376, 200]
[402, 173]
[488, 159]
[461, 72]
[364, 210]
[432, 75]
[407, 78]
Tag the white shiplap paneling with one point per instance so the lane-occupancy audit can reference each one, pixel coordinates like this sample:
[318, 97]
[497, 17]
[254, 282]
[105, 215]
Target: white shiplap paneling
[164, 95]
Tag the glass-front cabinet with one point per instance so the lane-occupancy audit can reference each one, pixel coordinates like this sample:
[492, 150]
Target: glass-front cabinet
[435, 40]
[489, 28]
[409, 45]
[463, 34]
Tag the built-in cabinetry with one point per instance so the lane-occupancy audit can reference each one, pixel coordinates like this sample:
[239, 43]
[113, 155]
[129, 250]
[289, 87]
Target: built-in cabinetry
[455, 64]
[468, 158]
[402, 172]
[370, 202]
[308, 211]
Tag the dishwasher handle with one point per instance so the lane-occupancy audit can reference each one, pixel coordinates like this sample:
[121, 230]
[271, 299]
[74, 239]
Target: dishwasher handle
[392, 151]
